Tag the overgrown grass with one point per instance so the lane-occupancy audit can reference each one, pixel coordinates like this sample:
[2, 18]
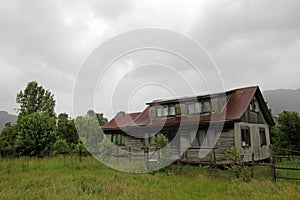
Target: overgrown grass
[68, 178]
[294, 163]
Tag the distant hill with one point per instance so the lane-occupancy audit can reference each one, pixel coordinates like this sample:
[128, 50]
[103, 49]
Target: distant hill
[283, 99]
[278, 100]
[5, 117]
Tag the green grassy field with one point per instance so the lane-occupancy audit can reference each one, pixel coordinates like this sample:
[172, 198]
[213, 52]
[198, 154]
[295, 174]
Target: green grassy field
[68, 178]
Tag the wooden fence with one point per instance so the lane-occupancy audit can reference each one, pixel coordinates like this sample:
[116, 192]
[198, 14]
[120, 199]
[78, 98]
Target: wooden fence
[289, 155]
[150, 155]
[273, 164]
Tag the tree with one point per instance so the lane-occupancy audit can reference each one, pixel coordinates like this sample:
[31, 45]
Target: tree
[36, 134]
[35, 98]
[287, 132]
[88, 127]
[7, 140]
[60, 147]
[66, 129]
[101, 119]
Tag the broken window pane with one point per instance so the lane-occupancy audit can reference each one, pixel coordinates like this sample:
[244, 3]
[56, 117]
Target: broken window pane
[262, 134]
[245, 137]
[190, 108]
[206, 106]
[159, 111]
[165, 111]
[172, 110]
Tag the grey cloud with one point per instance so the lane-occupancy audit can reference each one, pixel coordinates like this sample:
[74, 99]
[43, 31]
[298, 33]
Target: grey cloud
[111, 9]
[252, 42]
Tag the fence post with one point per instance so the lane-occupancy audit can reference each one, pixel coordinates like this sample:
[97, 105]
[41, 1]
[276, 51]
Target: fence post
[272, 164]
[117, 154]
[252, 166]
[214, 157]
[147, 156]
[129, 149]
[289, 153]
[215, 162]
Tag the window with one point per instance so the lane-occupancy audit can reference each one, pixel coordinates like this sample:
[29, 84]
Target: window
[197, 107]
[206, 106]
[262, 135]
[254, 106]
[194, 108]
[190, 108]
[172, 110]
[117, 138]
[159, 111]
[166, 110]
[148, 141]
[246, 138]
[199, 138]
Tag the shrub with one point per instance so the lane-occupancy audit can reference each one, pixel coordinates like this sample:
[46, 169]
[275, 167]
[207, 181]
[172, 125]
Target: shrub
[235, 160]
[160, 140]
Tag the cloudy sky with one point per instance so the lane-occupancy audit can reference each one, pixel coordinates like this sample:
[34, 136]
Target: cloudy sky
[253, 42]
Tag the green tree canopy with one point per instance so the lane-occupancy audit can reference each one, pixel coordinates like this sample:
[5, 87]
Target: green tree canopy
[88, 127]
[287, 132]
[35, 98]
[101, 119]
[7, 139]
[66, 129]
[36, 134]
[60, 147]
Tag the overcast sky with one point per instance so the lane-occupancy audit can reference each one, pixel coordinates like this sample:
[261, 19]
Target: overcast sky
[252, 43]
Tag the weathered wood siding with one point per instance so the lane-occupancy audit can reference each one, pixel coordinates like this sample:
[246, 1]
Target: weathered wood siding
[135, 143]
[253, 117]
[260, 152]
[224, 142]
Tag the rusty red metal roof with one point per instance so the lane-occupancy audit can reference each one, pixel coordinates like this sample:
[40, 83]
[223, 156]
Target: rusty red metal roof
[233, 110]
[120, 121]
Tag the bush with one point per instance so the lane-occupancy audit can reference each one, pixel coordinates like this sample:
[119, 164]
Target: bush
[160, 140]
[235, 160]
[61, 147]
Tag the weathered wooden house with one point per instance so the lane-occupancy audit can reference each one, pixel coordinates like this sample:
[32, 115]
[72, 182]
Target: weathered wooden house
[200, 125]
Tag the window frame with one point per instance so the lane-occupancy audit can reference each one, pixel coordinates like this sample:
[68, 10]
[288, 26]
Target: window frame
[161, 111]
[262, 136]
[165, 110]
[209, 106]
[188, 108]
[118, 139]
[245, 137]
[254, 106]
[193, 104]
[199, 139]
[172, 106]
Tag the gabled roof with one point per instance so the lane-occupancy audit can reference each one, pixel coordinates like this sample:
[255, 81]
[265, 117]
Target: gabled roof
[120, 121]
[233, 110]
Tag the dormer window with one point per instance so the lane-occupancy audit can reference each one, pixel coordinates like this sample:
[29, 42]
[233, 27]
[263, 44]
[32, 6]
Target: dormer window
[194, 108]
[158, 111]
[172, 110]
[198, 107]
[206, 106]
[165, 110]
